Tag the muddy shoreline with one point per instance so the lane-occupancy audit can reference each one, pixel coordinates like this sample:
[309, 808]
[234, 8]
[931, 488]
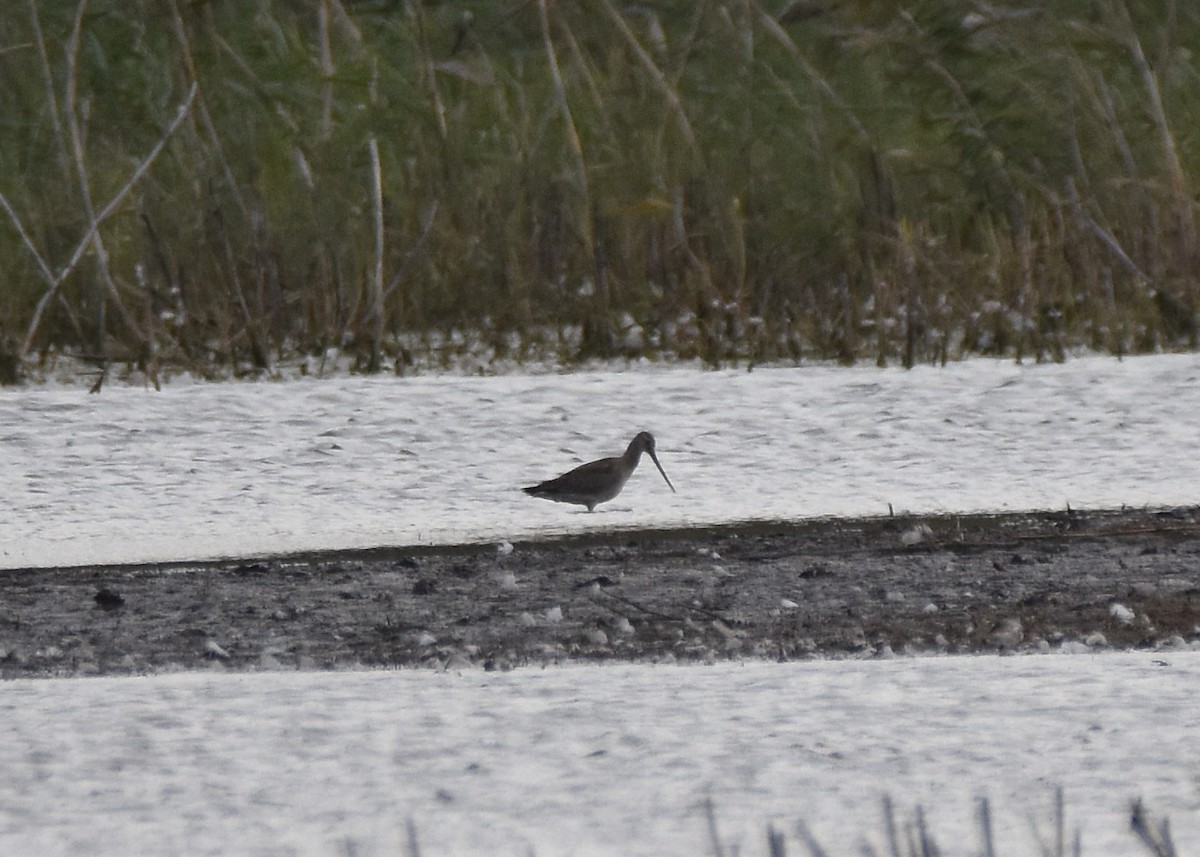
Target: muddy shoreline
[1072, 581]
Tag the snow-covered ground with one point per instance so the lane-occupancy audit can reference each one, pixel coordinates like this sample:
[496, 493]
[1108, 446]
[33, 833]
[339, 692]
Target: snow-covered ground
[210, 470]
[585, 760]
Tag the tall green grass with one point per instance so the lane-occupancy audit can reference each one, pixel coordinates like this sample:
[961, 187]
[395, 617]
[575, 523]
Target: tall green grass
[725, 180]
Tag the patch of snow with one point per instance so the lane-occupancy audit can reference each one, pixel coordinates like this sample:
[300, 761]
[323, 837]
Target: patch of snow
[241, 469]
[593, 761]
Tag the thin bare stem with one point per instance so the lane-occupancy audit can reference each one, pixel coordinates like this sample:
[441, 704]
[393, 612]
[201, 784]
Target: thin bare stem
[1106, 237]
[55, 281]
[1060, 824]
[714, 836]
[260, 87]
[657, 78]
[1156, 839]
[258, 354]
[427, 221]
[776, 843]
[377, 268]
[781, 36]
[585, 212]
[327, 69]
[97, 241]
[344, 21]
[48, 84]
[985, 827]
[564, 107]
[414, 846]
[810, 842]
[206, 120]
[430, 72]
[889, 821]
[43, 267]
[1175, 170]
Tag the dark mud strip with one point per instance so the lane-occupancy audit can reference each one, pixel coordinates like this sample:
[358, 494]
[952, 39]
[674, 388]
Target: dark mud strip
[874, 587]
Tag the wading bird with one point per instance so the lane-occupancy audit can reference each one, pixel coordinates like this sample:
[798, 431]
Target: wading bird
[599, 481]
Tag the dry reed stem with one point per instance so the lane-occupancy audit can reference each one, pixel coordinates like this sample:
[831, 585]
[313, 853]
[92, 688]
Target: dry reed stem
[261, 89]
[586, 216]
[657, 77]
[55, 281]
[428, 218]
[889, 822]
[43, 267]
[588, 76]
[564, 108]
[810, 71]
[325, 53]
[429, 72]
[206, 120]
[1108, 113]
[413, 845]
[1175, 171]
[710, 813]
[985, 827]
[376, 282]
[75, 138]
[345, 22]
[258, 354]
[1060, 823]
[1156, 838]
[776, 843]
[48, 86]
[1105, 237]
[810, 842]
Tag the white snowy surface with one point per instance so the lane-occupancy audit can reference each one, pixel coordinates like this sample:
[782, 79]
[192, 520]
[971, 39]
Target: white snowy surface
[616, 760]
[585, 760]
[214, 470]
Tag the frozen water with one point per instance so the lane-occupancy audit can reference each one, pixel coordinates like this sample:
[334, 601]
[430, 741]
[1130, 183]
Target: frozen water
[211, 470]
[600, 761]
